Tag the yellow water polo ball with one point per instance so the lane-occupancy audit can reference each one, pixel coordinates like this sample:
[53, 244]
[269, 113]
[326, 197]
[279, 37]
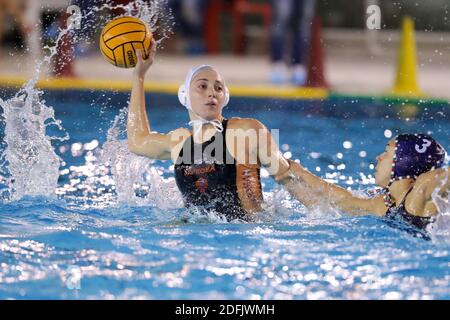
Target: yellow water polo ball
[121, 37]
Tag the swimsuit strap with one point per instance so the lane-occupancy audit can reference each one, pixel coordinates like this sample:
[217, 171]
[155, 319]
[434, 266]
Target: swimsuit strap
[223, 133]
[406, 195]
[224, 124]
[400, 211]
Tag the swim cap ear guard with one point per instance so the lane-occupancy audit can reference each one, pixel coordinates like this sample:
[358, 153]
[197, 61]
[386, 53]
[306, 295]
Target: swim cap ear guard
[183, 93]
[182, 96]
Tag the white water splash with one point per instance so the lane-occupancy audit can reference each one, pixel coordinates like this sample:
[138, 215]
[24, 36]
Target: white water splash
[28, 159]
[156, 14]
[33, 166]
[134, 174]
[29, 164]
[112, 175]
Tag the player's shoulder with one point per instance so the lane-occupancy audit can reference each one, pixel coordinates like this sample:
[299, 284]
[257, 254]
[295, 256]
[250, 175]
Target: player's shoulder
[181, 132]
[428, 181]
[245, 123]
[435, 174]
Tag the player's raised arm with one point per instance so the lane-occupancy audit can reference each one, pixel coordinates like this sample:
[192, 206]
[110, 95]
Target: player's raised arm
[141, 140]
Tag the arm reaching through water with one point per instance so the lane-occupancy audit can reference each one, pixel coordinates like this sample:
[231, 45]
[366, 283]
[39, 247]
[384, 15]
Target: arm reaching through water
[309, 189]
[314, 191]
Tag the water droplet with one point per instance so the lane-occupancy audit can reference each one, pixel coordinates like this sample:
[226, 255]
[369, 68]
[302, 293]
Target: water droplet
[347, 145]
[287, 155]
[388, 133]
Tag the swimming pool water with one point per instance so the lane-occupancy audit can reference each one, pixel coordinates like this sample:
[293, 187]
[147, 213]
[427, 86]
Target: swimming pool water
[97, 240]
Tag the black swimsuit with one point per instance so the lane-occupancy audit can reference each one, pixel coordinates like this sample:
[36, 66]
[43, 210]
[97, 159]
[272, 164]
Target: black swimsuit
[210, 180]
[400, 212]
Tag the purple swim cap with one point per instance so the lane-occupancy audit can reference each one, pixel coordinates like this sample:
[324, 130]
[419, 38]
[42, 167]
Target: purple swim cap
[416, 154]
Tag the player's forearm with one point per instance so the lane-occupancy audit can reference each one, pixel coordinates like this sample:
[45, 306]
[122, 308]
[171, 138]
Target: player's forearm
[302, 192]
[320, 186]
[326, 193]
[313, 191]
[138, 124]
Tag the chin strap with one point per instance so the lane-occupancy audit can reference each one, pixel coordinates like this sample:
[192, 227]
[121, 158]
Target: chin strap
[388, 200]
[198, 123]
[387, 197]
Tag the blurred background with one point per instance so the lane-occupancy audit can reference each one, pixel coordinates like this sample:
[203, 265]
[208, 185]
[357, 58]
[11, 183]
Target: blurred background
[283, 43]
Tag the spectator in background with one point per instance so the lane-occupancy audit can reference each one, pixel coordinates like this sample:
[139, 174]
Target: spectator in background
[189, 21]
[290, 16]
[12, 20]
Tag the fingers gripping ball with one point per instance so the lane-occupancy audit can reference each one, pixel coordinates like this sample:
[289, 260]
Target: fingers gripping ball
[121, 37]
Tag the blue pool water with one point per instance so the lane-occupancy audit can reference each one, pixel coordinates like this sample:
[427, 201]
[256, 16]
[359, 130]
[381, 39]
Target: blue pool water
[116, 227]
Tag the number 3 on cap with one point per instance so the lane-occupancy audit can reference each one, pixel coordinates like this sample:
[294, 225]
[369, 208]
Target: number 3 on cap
[423, 148]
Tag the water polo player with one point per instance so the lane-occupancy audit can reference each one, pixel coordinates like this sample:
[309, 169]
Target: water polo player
[217, 163]
[410, 170]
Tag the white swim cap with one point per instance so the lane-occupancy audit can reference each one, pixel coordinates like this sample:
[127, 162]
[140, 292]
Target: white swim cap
[183, 90]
